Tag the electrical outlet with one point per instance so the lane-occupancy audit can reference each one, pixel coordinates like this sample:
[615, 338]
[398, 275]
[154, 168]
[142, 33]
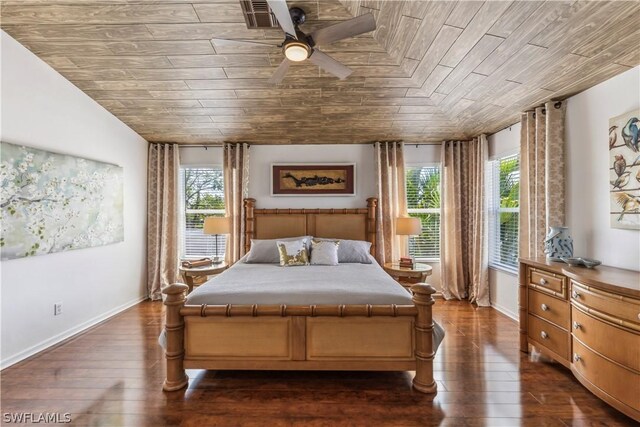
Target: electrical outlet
[57, 309]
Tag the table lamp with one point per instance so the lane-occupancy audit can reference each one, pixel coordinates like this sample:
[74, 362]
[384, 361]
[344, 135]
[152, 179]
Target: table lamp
[216, 225]
[408, 226]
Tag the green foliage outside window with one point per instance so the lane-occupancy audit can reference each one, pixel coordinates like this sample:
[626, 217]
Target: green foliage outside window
[204, 189]
[203, 197]
[508, 177]
[423, 201]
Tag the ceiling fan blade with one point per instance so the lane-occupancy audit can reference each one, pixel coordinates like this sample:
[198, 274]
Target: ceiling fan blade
[329, 64]
[359, 25]
[353, 27]
[280, 72]
[281, 10]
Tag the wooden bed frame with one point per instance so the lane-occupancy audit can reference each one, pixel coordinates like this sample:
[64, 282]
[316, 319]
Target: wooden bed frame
[301, 337]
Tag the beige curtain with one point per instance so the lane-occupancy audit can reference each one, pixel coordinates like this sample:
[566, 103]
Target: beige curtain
[541, 176]
[163, 231]
[236, 189]
[463, 243]
[392, 200]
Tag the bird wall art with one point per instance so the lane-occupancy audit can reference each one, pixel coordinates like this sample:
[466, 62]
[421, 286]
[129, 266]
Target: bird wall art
[630, 134]
[624, 170]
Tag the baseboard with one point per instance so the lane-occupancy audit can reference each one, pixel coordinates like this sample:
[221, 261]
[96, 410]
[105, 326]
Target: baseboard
[506, 311]
[12, 360]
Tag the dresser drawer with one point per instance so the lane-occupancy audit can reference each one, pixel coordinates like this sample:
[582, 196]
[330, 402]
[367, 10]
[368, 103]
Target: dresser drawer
[549, 308]
[548, 282]
[616, 381]
[549, 336]
[617, 344]
[615, 308]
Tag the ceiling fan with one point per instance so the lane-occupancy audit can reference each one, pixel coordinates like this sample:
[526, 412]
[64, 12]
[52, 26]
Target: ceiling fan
[298, 46]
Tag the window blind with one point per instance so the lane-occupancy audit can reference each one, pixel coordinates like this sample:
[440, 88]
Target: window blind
[423, 201]
[503, 188]
[203, 192]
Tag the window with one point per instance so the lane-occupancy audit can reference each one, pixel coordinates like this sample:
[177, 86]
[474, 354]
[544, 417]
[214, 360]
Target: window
[423, 201]
[203, 196]
[503, 179]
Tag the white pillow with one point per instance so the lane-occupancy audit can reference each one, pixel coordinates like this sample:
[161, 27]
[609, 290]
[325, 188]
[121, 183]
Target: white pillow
[324, 252]
[293, 252]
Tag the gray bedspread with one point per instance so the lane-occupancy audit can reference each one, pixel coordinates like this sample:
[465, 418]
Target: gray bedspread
[313, 284]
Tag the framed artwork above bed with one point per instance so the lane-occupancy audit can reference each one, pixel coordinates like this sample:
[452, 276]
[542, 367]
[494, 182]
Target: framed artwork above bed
[313, 179]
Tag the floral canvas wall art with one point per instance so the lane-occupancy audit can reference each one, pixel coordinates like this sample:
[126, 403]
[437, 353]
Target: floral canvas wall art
[54, 202]
[624, 170]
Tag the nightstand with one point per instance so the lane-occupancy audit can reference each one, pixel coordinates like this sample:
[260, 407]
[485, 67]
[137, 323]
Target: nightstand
[408, 277]
[188, 274]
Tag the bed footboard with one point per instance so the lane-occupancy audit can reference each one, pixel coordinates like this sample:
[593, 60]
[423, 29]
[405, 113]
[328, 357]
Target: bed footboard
[280, 337]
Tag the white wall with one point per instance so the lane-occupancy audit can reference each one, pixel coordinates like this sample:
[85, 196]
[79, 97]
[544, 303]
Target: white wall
[41, 109]
[588, 185]
[587, 180]
[262, 156]
[505, 142]
[201, 156]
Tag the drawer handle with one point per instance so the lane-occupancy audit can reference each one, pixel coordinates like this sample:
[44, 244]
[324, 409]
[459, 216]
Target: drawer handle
[576, 357]
[544, 307]
[576, 325]
[543, 281]
[575, 294]
[544, 335]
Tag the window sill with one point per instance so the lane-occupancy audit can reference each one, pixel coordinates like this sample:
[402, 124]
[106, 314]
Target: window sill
[504, 269]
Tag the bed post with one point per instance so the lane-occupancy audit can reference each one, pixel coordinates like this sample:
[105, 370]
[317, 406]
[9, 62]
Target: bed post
[372, 205]
[249, 230]
[423, 300]
[174, 329]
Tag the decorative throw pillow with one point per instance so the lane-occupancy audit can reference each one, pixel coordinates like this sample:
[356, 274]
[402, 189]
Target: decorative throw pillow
[265, 251]
[324, 252]
[352, 251]
[293, 252]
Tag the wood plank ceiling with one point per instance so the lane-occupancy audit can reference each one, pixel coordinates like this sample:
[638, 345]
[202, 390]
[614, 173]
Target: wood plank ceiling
[432, 70]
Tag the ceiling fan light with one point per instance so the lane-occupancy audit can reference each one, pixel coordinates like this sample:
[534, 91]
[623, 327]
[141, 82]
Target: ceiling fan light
[296, 51]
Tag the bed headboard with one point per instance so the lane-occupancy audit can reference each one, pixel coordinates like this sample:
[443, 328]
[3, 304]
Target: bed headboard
[353, 224]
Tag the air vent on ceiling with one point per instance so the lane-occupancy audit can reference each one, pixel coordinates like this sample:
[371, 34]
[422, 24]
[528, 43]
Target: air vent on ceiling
[257, 14]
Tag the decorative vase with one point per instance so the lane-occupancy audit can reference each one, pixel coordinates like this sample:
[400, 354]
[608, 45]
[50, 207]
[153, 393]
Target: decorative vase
[558, 244]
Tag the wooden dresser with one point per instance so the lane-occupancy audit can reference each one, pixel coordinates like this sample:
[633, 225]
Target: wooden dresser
[589, 321]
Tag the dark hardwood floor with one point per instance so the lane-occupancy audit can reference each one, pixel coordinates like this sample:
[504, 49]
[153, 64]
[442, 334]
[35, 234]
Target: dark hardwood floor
[112, 376]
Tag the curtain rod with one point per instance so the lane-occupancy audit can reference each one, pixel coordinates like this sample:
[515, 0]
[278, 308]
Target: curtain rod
[249, 145]
[557, 104]
[197, 145]
[359, 143]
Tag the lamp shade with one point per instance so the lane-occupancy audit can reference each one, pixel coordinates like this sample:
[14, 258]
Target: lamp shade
[407, 226]
[216, 225]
